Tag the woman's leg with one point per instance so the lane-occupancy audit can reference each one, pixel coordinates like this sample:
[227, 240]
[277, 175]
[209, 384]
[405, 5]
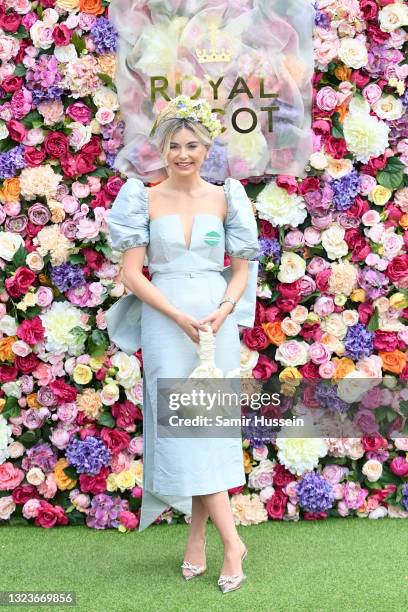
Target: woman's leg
[195, 544]
[219, 508]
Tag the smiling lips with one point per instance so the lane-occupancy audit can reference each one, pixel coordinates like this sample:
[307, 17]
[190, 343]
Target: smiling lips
[184, 165]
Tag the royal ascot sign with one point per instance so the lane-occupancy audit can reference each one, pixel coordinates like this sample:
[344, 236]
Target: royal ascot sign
[252, 60]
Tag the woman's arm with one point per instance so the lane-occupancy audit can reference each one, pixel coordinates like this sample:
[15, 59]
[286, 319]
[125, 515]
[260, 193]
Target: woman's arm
[234, 290]
[134, 279]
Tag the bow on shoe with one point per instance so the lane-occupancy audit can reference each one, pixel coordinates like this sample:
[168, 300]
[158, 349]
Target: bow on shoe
[223, 580]
[193, 568]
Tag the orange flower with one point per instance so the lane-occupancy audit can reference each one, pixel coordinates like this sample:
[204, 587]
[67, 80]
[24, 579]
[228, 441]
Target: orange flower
[63, 481]
[6, 352]
[404, 221]
[342, 110]
[343, 73]
[393, 361]
[344, 366]
[92, 7]
[274, 332]
[32, 401]
[10, 192]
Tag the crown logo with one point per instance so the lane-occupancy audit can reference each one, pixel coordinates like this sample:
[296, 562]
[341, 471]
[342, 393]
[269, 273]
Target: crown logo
[214, 53]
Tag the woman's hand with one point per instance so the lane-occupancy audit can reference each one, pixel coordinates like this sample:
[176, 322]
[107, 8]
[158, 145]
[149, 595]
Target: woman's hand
[218, 316]
[189, 325]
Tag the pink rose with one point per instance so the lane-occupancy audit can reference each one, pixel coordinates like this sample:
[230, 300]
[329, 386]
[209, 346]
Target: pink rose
[327, 370]
[372, 93]
[10, 476]
[326, 99]
[323, 306]
[354, 495]
[334, 473]
[319, 353]
[399, 466]
[128, 519]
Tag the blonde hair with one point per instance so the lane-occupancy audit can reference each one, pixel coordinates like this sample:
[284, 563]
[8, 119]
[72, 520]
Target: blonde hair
[168, 126]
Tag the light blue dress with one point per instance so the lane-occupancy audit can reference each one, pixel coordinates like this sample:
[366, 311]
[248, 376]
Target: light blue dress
[194, 280]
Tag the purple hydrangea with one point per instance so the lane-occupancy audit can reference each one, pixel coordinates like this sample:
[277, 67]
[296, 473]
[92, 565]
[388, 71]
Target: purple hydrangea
[67, 276]
[88, 456]
[11, 161]
[104, 511]
[314, 493]
[270, 247]
[40, 455]
[345, 190]
[321, 19]
[404, 499]
[258, 435]
[326, 394]
[358, 342]
[104, 35]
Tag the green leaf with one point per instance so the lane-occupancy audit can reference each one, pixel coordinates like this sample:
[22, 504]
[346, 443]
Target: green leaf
[20, 70]
[102, 172]
[19, 257]
[107, 420]
[31, 117]
[29, 438]
[78, 43]
[71, 472]
[11, 408]
[76, 518]
[105, 249]
[337, 128]
[392, 176]
[77, 259]
[105, 78]
[97, 343]
[374, 323]
[32, 312]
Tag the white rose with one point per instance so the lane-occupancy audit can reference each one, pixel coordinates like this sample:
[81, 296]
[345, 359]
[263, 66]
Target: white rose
[104, 97]
[109, 394]
[248, 359]
[299, 314]
[353, 386]
[292, 267]
[393, 16]
[35, 261]
[7, 507]
[279, 207]
[35, 476]
[12, 389]
[365, 135]
[334, 325]
[318, 160]
[292, 353]
[65, 54]
[9, 245]
[389, 107]
[353, 53]
[8, 325]
[380, 512]
[372, 469]
[129, 369]
[333, 241]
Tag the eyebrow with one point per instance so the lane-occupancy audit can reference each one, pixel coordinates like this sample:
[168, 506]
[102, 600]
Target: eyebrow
[191, 142]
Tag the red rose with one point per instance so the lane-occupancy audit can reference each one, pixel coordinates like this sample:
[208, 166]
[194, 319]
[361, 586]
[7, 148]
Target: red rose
[397, 270]
[373, 443]
[92, 147]
[267, 230]
[17, 130]
[84, 163]
[287, 304]
[361, 249]
[23, 493]
[310, 183]
[265, 368]
[11, 83]
[322, 280]
[289, 290]
[375, 163]
[33, 230]
[276, 506]
[62, 391]
[79, 112]
[94, 484]
[89, 430]
[385, 341]
[48, 516]
[359, 79]
[115, 439]
[11, 22]
[369, 9]
[260, 313]
[24, 278]
[365, 312]
[281, 476]
[31, 330]
[272, 314]
[309, 370]
[125, 414]
[113, 185]
[308, 396]
[33, 156]
[8, 373]
[236, 490]
[377, 35]
[311, 331]
[336, 147]
[255, 338]
[61, 35]
[101, 199]
[69, 166]
[359, 207]
[289, 183]
[56, 144]
[27, 364]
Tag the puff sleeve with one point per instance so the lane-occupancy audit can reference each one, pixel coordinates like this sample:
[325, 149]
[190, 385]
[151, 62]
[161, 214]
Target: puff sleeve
[241, 231]
[128, 219]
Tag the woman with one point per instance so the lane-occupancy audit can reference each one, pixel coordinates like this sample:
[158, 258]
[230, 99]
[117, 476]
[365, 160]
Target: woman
[185, 225]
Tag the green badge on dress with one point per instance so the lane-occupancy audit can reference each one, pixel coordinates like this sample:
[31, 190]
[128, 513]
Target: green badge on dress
[212, 238]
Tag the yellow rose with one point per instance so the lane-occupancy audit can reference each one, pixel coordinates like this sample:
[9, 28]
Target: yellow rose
[290, 375]
[398, 301]
[2, 404]
[126, 479]
[68, 5]
[95, 363]
[82, 374]
[63, 481]
[380, 195]
[10, 192]
[111, 483]
[358, 295]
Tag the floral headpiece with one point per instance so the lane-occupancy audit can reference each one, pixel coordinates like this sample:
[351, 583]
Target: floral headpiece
[184, 107]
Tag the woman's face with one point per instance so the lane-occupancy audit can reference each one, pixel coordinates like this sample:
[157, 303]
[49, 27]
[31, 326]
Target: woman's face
[186, 153]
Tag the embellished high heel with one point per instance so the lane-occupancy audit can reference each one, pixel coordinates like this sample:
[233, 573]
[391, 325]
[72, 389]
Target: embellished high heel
[232, 583]
[196, 570]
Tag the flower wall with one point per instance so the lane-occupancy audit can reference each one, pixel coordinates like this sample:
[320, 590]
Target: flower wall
[332, 291]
